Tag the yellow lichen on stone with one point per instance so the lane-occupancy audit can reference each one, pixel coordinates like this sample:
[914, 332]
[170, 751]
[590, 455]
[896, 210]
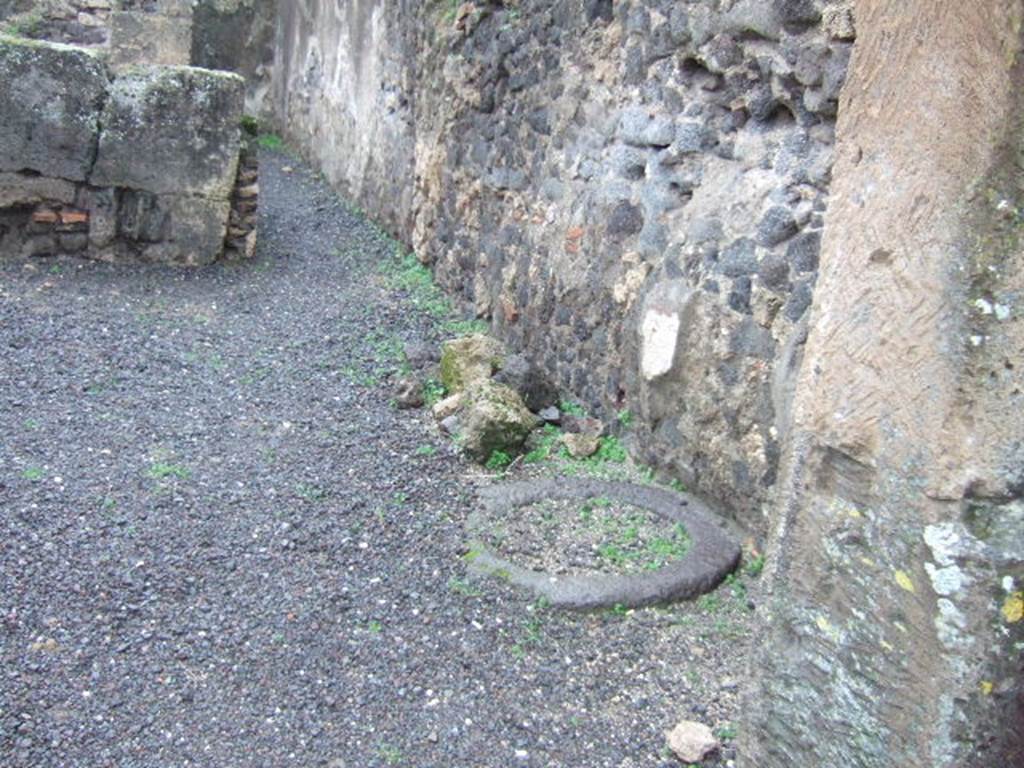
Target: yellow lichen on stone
[986, 687]
[826, 626]
[1013, 608]
[904, 580]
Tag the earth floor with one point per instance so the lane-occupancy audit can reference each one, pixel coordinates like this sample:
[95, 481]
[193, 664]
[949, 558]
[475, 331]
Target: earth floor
[221, 545]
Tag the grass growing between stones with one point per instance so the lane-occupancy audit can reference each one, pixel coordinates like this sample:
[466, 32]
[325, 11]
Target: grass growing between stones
[598, 535]
[23, 25]
[160, 470]
[405, 274]
[611, 460]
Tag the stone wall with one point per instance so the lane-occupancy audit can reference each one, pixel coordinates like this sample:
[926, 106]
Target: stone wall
[631, 192]
[76, 22]
[344, 91]
[151, 32]
[897, 558]
[238, 36]
[140, 167]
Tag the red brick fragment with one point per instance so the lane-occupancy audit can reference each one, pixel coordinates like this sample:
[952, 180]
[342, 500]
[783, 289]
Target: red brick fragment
[44, 216]
[74, 217]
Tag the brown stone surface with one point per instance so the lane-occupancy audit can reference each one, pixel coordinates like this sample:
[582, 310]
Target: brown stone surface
[147, 38]
[154, 180]
[897, 538]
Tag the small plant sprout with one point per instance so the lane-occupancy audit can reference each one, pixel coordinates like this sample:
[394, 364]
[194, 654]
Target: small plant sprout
[498, 461]
[163, 471]
[571, 408]
[464, 587]
[390, 754]
[433, 392]
[754, 566]
[271, 141]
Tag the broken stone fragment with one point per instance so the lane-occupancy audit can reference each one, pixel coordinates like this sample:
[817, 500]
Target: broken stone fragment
[581, 445]
[584, 425]
[447, 407]
[468, 360]
[420, 354]
[692, 742]
[408, 393]
[551, 415]
[450, 425]
[494, 419]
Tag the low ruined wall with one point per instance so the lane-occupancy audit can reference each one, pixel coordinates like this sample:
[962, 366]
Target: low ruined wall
[76, 22]
[143, 166]
[631, 192]
[232, 35]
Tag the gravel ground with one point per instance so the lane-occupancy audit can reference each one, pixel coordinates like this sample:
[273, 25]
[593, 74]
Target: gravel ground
[221, 546]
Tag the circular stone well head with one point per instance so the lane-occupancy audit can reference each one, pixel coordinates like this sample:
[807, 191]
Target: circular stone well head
[584, 543]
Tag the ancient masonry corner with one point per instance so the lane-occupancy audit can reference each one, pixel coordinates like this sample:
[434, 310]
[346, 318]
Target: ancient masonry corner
[101, 131]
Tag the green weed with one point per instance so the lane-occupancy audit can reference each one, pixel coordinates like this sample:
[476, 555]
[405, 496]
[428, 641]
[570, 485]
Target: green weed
[548, 439]
[498, 461]
[310, 492]
[458, 328]
[33, 474]
[754, 567]
[610, 450]
[571, 408]
[271, 141]
[162, 471]
[23, 25]
[250, 125]
[463, 587]
[433, 392]
[405, 273]
[390, 754]
[709, 603]
[726, 733]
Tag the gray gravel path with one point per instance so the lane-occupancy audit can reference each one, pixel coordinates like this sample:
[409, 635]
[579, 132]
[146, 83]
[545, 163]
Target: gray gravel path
[221, 546]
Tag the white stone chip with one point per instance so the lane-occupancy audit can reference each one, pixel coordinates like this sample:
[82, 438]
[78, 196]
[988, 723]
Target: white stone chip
[691, 742]
[660, 334]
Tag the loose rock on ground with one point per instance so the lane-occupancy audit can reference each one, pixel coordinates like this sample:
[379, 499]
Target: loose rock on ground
[221, 544]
